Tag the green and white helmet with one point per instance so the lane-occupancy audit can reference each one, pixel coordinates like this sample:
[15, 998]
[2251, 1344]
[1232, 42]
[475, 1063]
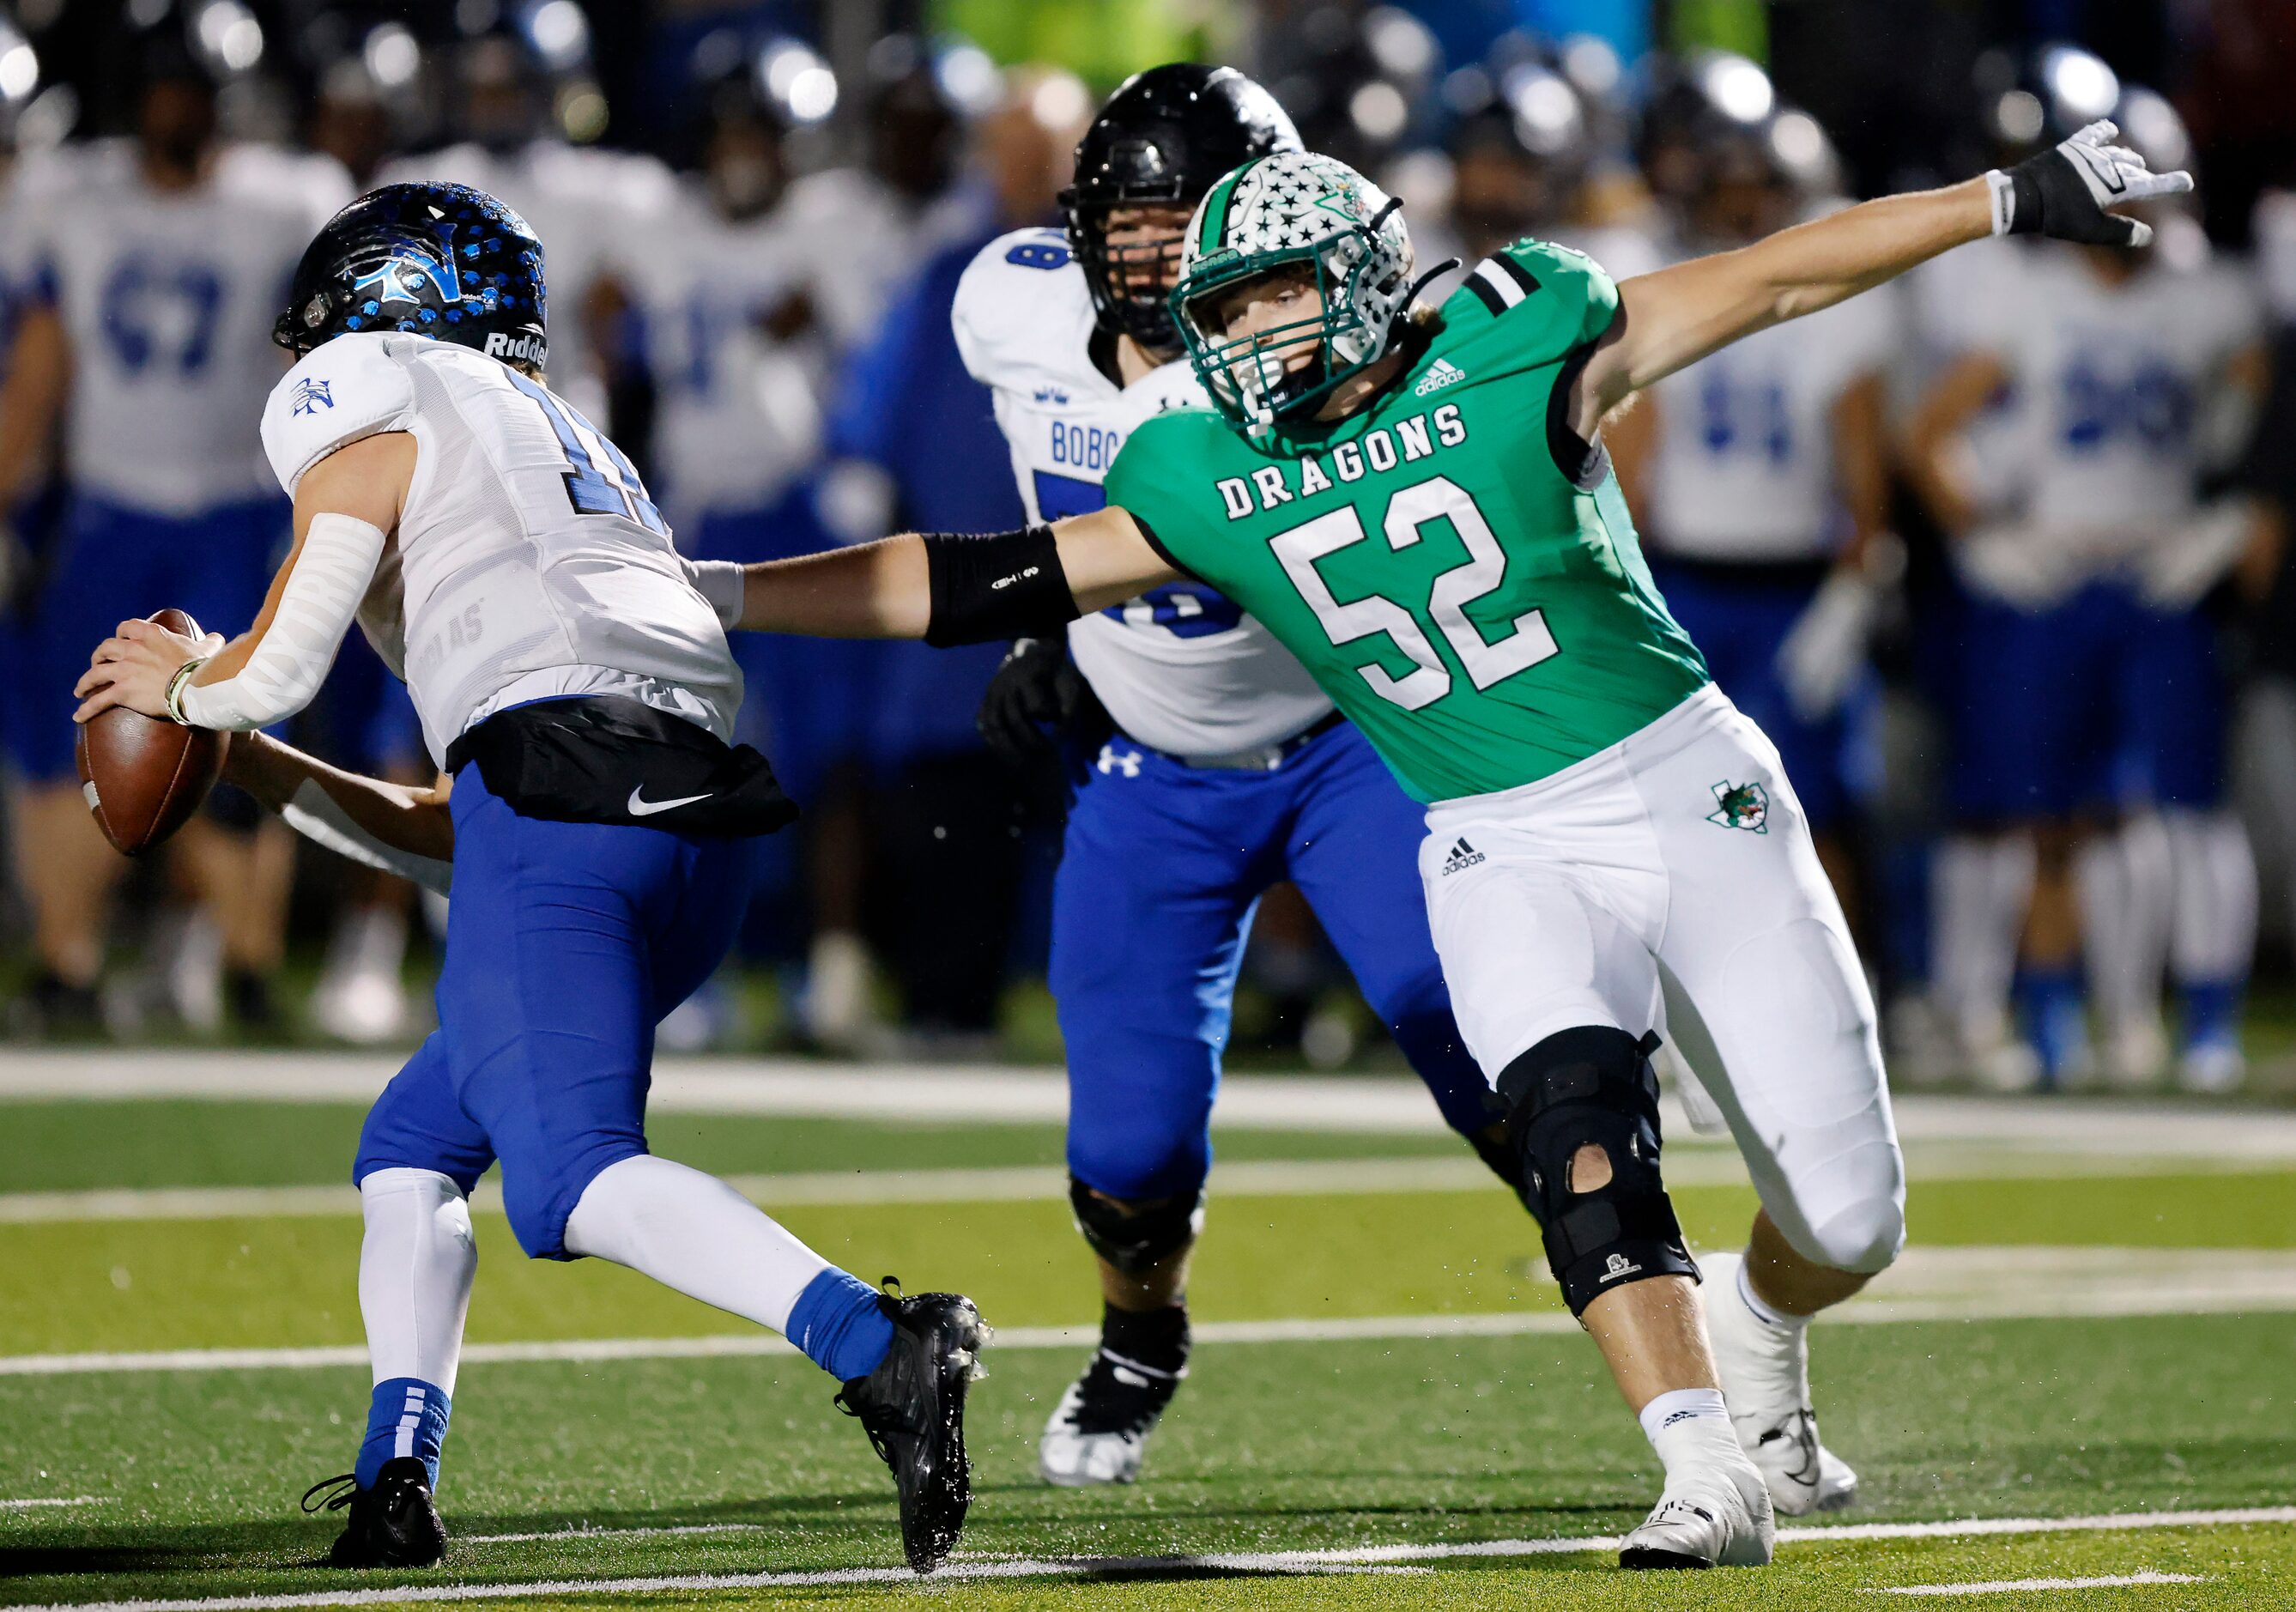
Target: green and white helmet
[1290, 208]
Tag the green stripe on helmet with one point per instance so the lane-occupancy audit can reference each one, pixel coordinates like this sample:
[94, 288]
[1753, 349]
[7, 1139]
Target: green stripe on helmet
[1216, 210]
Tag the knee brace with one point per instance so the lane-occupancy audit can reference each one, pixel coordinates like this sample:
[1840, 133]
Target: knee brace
[1594, 1086]
[1134, 1239]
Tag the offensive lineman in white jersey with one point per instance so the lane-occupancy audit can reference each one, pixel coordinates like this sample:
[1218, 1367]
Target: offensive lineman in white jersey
[2088, 693]
[1228, 768]
[574, 684]
[152, 278]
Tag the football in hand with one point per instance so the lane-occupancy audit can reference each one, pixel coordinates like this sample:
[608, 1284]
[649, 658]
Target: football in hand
[144, 776]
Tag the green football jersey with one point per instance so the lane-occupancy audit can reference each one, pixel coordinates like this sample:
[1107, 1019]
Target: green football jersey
[1453, 564]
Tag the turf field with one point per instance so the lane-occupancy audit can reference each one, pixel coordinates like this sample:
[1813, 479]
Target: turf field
[2080, 1387]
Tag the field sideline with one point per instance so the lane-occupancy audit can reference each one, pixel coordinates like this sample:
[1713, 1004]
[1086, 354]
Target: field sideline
[2075, 1390]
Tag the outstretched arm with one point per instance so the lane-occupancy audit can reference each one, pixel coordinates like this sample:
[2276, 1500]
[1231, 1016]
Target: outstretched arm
[1675, 317]
[953, 589]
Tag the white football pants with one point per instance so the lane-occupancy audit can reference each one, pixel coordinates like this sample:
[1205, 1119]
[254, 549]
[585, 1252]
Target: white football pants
[1670, 883]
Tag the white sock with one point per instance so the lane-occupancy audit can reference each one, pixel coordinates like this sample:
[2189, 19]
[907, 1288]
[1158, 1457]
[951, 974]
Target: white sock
[2213, 938]
[2124, 882]
[1690, 1427]
[415, 1268]
[1980, 889]
[1769, 1315]
[694, 1233]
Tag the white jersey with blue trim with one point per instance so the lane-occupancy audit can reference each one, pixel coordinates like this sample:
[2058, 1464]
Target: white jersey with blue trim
[1742, 469]
[1181, 669]
[168, 299]
[529, 562]
[737, 414]
[2112, 381]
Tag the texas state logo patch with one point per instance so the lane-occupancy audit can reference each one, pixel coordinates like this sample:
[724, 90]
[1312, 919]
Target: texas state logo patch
[1745, 806]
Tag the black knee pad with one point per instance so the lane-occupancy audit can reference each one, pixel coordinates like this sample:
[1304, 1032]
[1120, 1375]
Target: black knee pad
[1595, 1085]
[1134, 1239]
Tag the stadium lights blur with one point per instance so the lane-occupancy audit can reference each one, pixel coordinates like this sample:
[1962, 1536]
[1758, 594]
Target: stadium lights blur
[969, 78]
[1061, 102]
[1399, 43]
[19, 68]
[2083, 85]
[1590, 64]
[1547, 116]
[228, 35]
[391, 55]
[1378, 110]
[795, 78]
[559, 33]
[1739, 88]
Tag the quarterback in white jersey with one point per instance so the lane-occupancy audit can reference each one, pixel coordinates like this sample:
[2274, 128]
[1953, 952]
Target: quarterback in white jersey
[573, 680]
[149, 278]
[2089, 715]
[1226, 770]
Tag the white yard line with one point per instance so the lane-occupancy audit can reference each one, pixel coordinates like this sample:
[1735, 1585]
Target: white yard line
[933, 1093]
[72, 1500]
[1928, 1284]
[1364, 1558]
[2009, 1586]
[1685, 1166]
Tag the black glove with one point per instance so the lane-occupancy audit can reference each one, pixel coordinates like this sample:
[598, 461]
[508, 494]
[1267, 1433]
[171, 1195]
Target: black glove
[2063, 191]
[1036, 696]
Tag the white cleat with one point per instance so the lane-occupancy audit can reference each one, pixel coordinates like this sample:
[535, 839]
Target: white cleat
[2212, 1068]
[1716, 1517]
[2135, 1056]
[1766, 1383]
[1099, 1434]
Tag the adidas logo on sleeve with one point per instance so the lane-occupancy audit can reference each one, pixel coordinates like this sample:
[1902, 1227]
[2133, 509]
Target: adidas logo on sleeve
[1440, 375]
[1462, 856]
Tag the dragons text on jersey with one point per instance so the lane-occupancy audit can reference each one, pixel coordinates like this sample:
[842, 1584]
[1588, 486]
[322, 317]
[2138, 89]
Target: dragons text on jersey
[1455, 567]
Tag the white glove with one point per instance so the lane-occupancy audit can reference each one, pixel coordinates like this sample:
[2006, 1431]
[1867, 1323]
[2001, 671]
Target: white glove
[2177, 570]
[2063, 193]
[1825, 650]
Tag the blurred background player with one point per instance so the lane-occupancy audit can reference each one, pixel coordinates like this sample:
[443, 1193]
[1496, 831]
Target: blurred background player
[1761, 473]
[2089, 708]
[1209, 764]
[152, 281]
[521, 87]
[951, 825]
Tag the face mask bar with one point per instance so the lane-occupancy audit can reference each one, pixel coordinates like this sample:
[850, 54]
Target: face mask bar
[1128, 282]
[1247, 379]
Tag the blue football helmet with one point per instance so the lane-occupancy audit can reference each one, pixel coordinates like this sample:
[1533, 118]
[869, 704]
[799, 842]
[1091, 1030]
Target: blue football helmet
[441, 261]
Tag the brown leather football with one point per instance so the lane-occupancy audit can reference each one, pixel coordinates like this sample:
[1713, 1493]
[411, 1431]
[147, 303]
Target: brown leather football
[142, 776]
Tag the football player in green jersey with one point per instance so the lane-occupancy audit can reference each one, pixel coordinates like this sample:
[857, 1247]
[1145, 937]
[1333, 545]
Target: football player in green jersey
[1420, 508]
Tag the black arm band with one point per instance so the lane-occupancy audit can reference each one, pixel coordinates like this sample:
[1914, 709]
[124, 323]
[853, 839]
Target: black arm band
[999, 585]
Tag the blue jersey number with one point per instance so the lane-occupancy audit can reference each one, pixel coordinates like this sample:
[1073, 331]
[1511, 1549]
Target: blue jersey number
[141, 302]
[2150, 407]
[1048, 251]
[1185, 610]
[1059, 497]
[1744, 418]
[614, 490]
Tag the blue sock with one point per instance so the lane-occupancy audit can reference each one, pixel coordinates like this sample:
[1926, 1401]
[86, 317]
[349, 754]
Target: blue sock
[839, 1324]
[2213, 1012]
[2057, 1023]
[408, 1417]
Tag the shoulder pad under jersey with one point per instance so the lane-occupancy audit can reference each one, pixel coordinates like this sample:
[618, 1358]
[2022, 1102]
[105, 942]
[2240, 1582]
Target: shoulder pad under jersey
[355, 386]
[1022, 316]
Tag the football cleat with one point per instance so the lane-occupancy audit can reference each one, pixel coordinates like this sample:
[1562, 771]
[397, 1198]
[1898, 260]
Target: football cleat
[1716, 1517]
[1100, 1432]
[1766, 1382]
[392, 1525]
[912, 1407]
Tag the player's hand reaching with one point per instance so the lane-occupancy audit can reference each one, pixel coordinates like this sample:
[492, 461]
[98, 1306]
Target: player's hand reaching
[135, 666]
[2067, 192]
[1035, 697]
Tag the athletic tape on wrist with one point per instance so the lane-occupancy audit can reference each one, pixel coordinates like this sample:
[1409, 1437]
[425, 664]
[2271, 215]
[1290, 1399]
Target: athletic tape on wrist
[331, 574]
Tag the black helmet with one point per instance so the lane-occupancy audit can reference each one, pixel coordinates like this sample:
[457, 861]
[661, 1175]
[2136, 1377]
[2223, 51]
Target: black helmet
[1167, 135]
[441, 260]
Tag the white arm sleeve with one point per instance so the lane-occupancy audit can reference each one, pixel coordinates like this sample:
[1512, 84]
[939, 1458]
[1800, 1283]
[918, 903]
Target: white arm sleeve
[290, 660]
[314, 814]
[720, 582]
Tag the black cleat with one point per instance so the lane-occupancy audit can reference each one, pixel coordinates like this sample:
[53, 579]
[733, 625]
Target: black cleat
[392, 1525]
[1099, 1432]
[912, 1407]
